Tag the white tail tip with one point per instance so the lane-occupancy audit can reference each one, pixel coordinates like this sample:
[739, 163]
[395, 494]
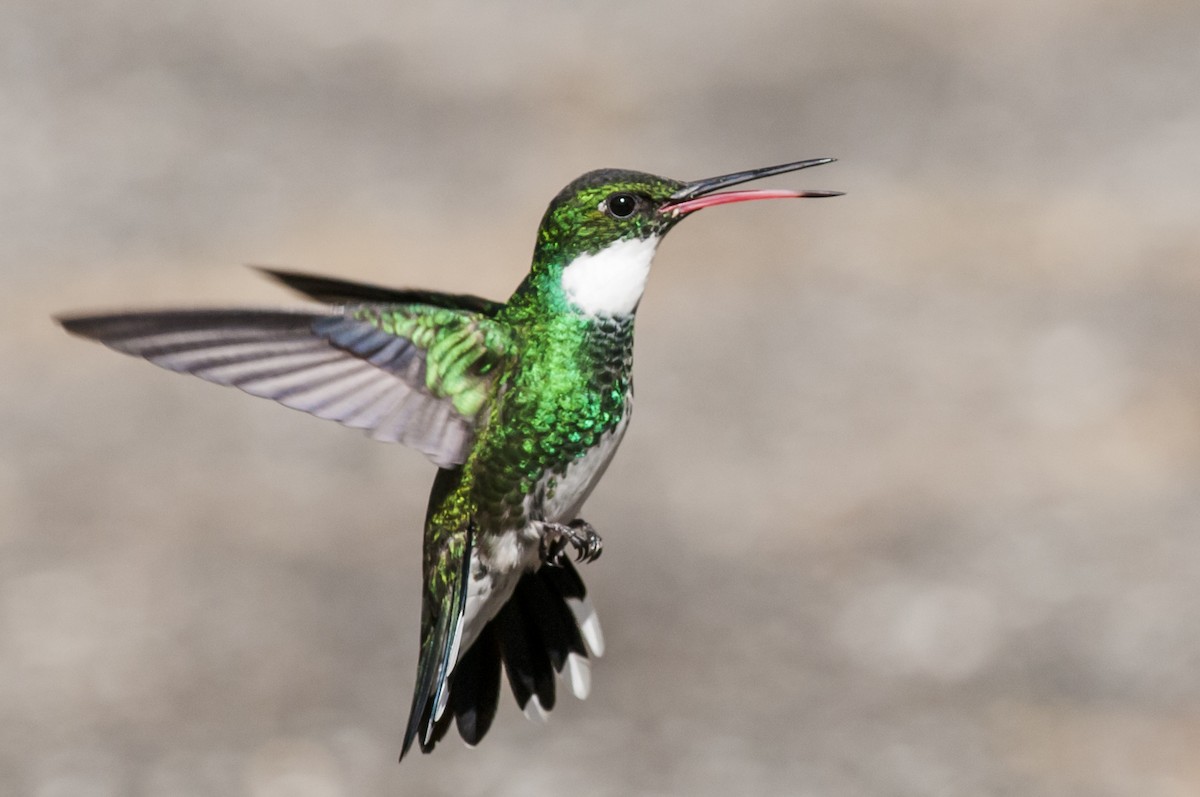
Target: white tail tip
[579, 675]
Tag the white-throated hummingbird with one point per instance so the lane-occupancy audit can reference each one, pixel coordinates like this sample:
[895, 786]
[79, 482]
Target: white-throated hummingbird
[520, 404]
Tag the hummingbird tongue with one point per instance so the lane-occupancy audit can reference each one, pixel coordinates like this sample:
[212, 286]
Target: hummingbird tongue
[675, 209]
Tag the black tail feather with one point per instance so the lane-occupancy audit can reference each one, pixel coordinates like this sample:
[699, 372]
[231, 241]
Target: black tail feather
[537, 654]
[550, 614]
[563, 581]
[517, 651]
[475, 688]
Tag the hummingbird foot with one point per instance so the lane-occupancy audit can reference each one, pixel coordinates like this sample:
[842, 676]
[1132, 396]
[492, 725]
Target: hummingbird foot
[579, 534]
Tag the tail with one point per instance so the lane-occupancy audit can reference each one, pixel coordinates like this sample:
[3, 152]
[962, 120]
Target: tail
[547, 627]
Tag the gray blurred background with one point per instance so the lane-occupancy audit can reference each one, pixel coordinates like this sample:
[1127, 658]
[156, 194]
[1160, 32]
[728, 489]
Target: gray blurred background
[909, 505]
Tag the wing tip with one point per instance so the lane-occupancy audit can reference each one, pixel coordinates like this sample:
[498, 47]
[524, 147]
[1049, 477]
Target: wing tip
[78, 323]
[287, 277]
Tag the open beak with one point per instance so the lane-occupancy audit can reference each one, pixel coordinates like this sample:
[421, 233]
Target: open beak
[706, 193]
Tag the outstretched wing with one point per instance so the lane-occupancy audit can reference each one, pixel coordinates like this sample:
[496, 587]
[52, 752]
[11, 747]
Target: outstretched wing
[338, 291]
[411, 373]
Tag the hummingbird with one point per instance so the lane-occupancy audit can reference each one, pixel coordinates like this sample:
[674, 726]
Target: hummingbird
[520, 405]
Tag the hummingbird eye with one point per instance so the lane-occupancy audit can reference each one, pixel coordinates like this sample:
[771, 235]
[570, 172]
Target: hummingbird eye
[621, 206]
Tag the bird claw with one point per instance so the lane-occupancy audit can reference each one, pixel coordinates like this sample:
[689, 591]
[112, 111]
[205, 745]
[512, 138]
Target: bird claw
[579, 534]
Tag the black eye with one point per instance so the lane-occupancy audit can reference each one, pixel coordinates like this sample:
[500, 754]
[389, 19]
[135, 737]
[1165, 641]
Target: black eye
[621, 206]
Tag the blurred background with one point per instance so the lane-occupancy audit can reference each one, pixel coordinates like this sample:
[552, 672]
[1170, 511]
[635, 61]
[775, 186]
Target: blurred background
[909, 505]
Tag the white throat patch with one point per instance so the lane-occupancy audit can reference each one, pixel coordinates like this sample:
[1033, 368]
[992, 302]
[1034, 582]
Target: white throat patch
[610, 282]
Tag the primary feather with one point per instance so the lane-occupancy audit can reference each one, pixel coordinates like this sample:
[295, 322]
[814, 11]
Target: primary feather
[384, 369]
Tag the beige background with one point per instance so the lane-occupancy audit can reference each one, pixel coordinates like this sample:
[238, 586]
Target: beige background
[909, 505]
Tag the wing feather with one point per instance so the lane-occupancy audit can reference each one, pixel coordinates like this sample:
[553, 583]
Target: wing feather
[386, 369]
[339, 291]
[441, 633]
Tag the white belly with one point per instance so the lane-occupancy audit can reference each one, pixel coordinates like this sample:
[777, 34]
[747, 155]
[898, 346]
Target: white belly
[572, 488]
[496, 568]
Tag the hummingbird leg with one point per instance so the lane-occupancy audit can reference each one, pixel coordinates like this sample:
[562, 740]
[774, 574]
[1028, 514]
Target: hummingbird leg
[579, 534]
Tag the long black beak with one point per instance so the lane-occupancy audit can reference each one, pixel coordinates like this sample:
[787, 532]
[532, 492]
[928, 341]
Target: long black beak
[700, 193]
[710, 184]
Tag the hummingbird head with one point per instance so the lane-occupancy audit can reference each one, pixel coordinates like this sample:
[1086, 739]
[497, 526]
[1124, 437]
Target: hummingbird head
[599, 235]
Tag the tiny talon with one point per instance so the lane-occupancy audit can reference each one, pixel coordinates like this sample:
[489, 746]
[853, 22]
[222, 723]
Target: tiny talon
[579, 534]
[595, 546]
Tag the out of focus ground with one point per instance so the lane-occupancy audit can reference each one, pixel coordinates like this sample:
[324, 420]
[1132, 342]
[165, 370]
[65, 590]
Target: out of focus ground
[909, 505]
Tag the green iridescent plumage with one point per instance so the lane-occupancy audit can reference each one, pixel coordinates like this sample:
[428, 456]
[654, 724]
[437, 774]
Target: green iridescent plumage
[520, 404]
[462, 351]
